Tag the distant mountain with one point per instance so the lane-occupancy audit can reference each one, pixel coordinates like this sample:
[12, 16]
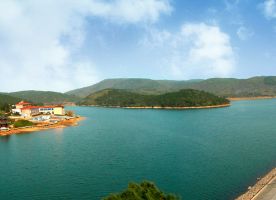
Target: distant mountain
[227, 87]
[146, 86]
[124, 98]
[44, 96]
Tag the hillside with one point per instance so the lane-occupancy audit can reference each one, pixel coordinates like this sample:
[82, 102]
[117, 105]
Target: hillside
[227, 87]
[145, 86]
[124, 98]
[44, 96]
[6, 99]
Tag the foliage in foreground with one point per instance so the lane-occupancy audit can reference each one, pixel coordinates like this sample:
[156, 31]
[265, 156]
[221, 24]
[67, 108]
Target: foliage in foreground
[22, 123]
[144, 191]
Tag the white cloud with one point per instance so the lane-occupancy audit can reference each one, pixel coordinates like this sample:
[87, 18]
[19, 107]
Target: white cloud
[199, 50]
[244, 33]
[131, 11]
[40, 39]
[269, 9]
[230, 4]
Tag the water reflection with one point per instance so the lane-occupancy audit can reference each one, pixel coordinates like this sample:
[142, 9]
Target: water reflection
[5, 138]
[58, 134]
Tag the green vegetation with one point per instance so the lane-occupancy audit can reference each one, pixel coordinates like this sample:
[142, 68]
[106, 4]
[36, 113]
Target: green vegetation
[145, 191]
[22, 123]
[6, 101]
[44, 96]
[224, 87]
[124, 98]
[227, 87]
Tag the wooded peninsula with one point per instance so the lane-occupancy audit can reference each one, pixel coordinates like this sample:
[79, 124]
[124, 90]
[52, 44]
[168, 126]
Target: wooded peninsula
[186, 98]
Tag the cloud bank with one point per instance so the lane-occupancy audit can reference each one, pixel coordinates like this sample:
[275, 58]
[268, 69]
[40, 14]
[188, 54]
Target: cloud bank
[197, 50]
[269, 9]
[40, 40]
[244, 33]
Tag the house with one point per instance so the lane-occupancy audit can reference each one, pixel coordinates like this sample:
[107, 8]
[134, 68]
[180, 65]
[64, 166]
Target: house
[59, 110]
[55, 110]
[20, 105]
[29, 111]
[4, 122]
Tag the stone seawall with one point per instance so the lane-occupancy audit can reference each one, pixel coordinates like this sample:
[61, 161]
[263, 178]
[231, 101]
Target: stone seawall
[257, 188]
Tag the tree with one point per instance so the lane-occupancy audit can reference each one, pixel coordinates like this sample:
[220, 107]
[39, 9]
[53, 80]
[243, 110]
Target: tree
[22, 123]
[5, 107]
[144, 191]
[70, 113]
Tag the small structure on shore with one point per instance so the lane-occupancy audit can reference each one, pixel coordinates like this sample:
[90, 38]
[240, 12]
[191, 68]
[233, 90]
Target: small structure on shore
[4, 122]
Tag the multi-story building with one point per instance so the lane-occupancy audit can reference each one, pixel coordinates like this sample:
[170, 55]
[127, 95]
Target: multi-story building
[20, 105]
[27, 110]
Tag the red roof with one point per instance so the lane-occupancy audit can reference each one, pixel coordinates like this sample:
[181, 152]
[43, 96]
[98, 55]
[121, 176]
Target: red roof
[30, 107]
[57, 106]
[23, 103]
[37, 107]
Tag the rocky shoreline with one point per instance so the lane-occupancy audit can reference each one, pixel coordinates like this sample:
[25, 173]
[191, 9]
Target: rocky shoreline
[250, 98]
[41, 127]
[259, 186]
[165, 108]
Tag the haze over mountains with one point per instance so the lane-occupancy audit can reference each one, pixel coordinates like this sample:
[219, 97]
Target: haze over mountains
[226, 87]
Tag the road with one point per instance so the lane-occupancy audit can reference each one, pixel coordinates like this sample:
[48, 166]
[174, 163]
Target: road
[268, 192]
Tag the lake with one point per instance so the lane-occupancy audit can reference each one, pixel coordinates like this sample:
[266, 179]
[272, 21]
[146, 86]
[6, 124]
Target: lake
[197, 154]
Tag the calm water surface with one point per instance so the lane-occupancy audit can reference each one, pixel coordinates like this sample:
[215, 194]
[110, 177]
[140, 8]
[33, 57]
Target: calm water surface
[198, 154]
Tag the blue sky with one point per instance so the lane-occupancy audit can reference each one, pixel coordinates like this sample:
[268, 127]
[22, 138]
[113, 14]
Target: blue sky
[66, 44]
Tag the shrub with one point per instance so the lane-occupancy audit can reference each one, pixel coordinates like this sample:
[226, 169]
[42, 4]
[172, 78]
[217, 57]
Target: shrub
[70, 113]
[22, 123]
[144, 191]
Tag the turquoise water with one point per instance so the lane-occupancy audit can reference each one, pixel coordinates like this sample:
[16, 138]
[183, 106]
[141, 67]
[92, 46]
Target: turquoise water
[197, 154]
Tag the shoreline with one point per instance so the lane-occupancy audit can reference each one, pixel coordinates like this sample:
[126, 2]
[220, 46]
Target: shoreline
[163, 108]
[250, 98]
[254, 191]
[61, 124]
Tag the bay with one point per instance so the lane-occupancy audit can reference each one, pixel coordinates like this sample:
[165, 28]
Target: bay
[197, 154]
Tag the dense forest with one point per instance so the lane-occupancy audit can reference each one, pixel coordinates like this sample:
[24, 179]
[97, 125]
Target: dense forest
[6, 101]
[144, 191]
[124, 98]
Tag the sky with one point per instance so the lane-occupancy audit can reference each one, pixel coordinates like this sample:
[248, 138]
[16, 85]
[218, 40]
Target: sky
[60, 45]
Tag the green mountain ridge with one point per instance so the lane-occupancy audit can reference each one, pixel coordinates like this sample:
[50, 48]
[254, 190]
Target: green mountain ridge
[125, 98]
[227, 87]
[44, 96]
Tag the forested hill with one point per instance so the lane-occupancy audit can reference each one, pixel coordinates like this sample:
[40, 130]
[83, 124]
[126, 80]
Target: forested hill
[144, 86]
[227, 87]
[124, 98]
[44, 96]
[6, 99]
